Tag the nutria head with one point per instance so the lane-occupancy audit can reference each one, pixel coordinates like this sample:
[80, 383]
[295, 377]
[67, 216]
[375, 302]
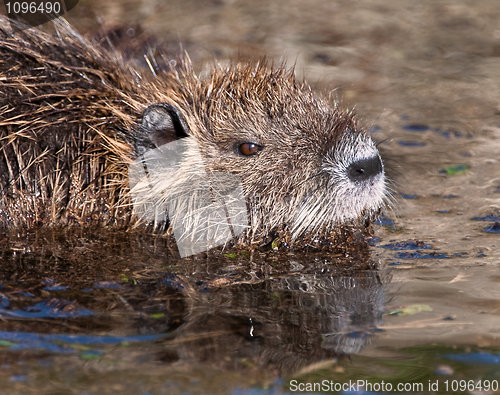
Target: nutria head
[304, 164]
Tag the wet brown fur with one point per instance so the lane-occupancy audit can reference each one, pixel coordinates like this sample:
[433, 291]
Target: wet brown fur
[57, 165]
[69, 112]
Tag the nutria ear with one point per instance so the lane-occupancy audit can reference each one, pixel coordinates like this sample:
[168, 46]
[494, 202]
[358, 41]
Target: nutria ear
[162, 123]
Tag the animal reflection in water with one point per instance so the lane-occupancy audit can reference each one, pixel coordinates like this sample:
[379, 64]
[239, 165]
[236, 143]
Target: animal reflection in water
[282, 323]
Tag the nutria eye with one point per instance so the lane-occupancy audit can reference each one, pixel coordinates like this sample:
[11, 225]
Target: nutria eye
[248, 149]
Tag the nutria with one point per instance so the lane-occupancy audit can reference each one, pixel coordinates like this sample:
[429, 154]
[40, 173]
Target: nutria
[75, 117]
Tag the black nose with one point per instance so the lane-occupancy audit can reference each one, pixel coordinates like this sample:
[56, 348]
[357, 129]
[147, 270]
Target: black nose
[363, 169]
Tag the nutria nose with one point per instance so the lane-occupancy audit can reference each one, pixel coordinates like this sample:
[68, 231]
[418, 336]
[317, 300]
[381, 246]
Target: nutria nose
[363, 169]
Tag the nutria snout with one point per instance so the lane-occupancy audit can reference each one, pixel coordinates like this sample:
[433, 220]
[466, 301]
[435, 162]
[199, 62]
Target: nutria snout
[365, 169]
[87, 138]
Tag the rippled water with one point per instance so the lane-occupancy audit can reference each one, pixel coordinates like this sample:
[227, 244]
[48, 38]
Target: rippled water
[95, 312]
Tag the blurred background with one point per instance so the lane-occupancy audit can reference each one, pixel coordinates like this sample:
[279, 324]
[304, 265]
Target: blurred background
[428, 59]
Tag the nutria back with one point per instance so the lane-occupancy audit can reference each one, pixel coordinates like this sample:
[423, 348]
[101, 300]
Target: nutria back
[75, 118]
